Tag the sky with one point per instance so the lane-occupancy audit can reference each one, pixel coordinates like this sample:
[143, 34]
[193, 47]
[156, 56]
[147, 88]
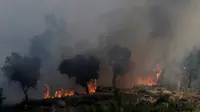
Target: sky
[20, 20]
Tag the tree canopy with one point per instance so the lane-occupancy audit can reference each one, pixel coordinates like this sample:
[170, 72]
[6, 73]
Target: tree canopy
[81, 67]
[22, 69]
[119, 59]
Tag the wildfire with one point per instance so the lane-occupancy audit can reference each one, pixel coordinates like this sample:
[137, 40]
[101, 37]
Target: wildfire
[58, 94]
[64, 92]
[150, 80]
[92, 86]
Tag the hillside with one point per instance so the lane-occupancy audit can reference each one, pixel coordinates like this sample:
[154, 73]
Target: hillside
[138, 99]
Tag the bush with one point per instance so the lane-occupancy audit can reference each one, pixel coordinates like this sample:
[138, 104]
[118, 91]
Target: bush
[196, 110]
[113, 106]
[118, 97]
[86, 108]
[102, 107]
[92, 108]
[128, 108]
[143, 107]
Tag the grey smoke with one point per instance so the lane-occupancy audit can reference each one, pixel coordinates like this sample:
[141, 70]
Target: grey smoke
[155, 30]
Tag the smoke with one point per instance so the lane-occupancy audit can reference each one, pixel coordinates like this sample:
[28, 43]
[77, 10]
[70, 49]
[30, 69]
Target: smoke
[186, 32]
[23, 21]
[156, 31]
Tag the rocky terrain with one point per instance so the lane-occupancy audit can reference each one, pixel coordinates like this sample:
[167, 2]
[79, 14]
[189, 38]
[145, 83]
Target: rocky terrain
[137, 99]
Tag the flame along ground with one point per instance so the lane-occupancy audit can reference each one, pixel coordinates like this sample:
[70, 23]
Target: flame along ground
[150, 80]
[65, 92]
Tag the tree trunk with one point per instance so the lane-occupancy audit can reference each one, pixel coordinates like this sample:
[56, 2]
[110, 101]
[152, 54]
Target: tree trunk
[189, 81]
[114, 80]
[26, 95]
[25, 90]
[86, 89]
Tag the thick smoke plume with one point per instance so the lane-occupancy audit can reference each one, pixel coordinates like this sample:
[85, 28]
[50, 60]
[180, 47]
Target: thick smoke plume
[156, 31]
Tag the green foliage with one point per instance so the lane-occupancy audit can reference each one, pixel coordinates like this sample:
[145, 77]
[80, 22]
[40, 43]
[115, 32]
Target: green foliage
[162, 107]
[196, 110]
[142, 107]
[22, 69]
[118, 97]
[68, 108]
[102, 107]
[86, 108]
[83, 68]
[189, 106]
[163, 98]
[92, 108]
[128, 108]
[113, 106]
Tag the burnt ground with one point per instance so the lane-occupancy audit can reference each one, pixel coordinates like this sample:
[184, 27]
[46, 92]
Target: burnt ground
[138, 99]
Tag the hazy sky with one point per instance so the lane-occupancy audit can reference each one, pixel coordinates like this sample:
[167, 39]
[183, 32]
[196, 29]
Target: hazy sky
[21, 19]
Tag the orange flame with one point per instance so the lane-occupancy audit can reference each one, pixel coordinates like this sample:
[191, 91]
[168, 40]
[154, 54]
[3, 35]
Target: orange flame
[47, 93]
[58, 94]
[150, 80]
[92, 86]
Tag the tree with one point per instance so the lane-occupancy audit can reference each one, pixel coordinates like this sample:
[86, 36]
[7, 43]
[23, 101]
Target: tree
[119, 59]
[1, 97]
[23, 70]
[191, 66]
[82, 68]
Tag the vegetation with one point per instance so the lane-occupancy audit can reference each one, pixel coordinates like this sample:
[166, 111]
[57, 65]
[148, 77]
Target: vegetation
[1, 97]
[141, 100]
[82, 68]
[23, 70]
[119, 59]
[191, 66]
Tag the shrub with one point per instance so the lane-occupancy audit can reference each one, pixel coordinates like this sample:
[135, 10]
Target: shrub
[86, 108]
[143, 107]
[113, 106]
[102, 107]
[92, 108]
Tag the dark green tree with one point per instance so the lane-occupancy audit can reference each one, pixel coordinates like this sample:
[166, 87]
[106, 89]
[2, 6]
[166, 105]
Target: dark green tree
[82, 68]
[119, 59]
[23, 70]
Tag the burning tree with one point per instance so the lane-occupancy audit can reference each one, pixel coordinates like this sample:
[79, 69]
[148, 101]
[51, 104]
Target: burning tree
[119, 59]
[191, 65]
[22, 69]
[84, 69]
